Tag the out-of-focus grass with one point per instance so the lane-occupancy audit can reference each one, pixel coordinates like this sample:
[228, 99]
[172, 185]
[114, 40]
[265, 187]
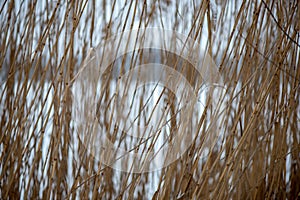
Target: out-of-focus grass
[256, 47]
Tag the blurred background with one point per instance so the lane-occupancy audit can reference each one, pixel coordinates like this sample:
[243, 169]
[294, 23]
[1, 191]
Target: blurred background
[255, 46]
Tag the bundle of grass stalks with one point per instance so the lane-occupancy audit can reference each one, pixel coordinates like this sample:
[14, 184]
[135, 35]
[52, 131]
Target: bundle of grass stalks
[44, 150]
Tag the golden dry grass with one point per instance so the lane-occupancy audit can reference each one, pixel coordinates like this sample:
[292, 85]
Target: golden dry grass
[256, 47]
